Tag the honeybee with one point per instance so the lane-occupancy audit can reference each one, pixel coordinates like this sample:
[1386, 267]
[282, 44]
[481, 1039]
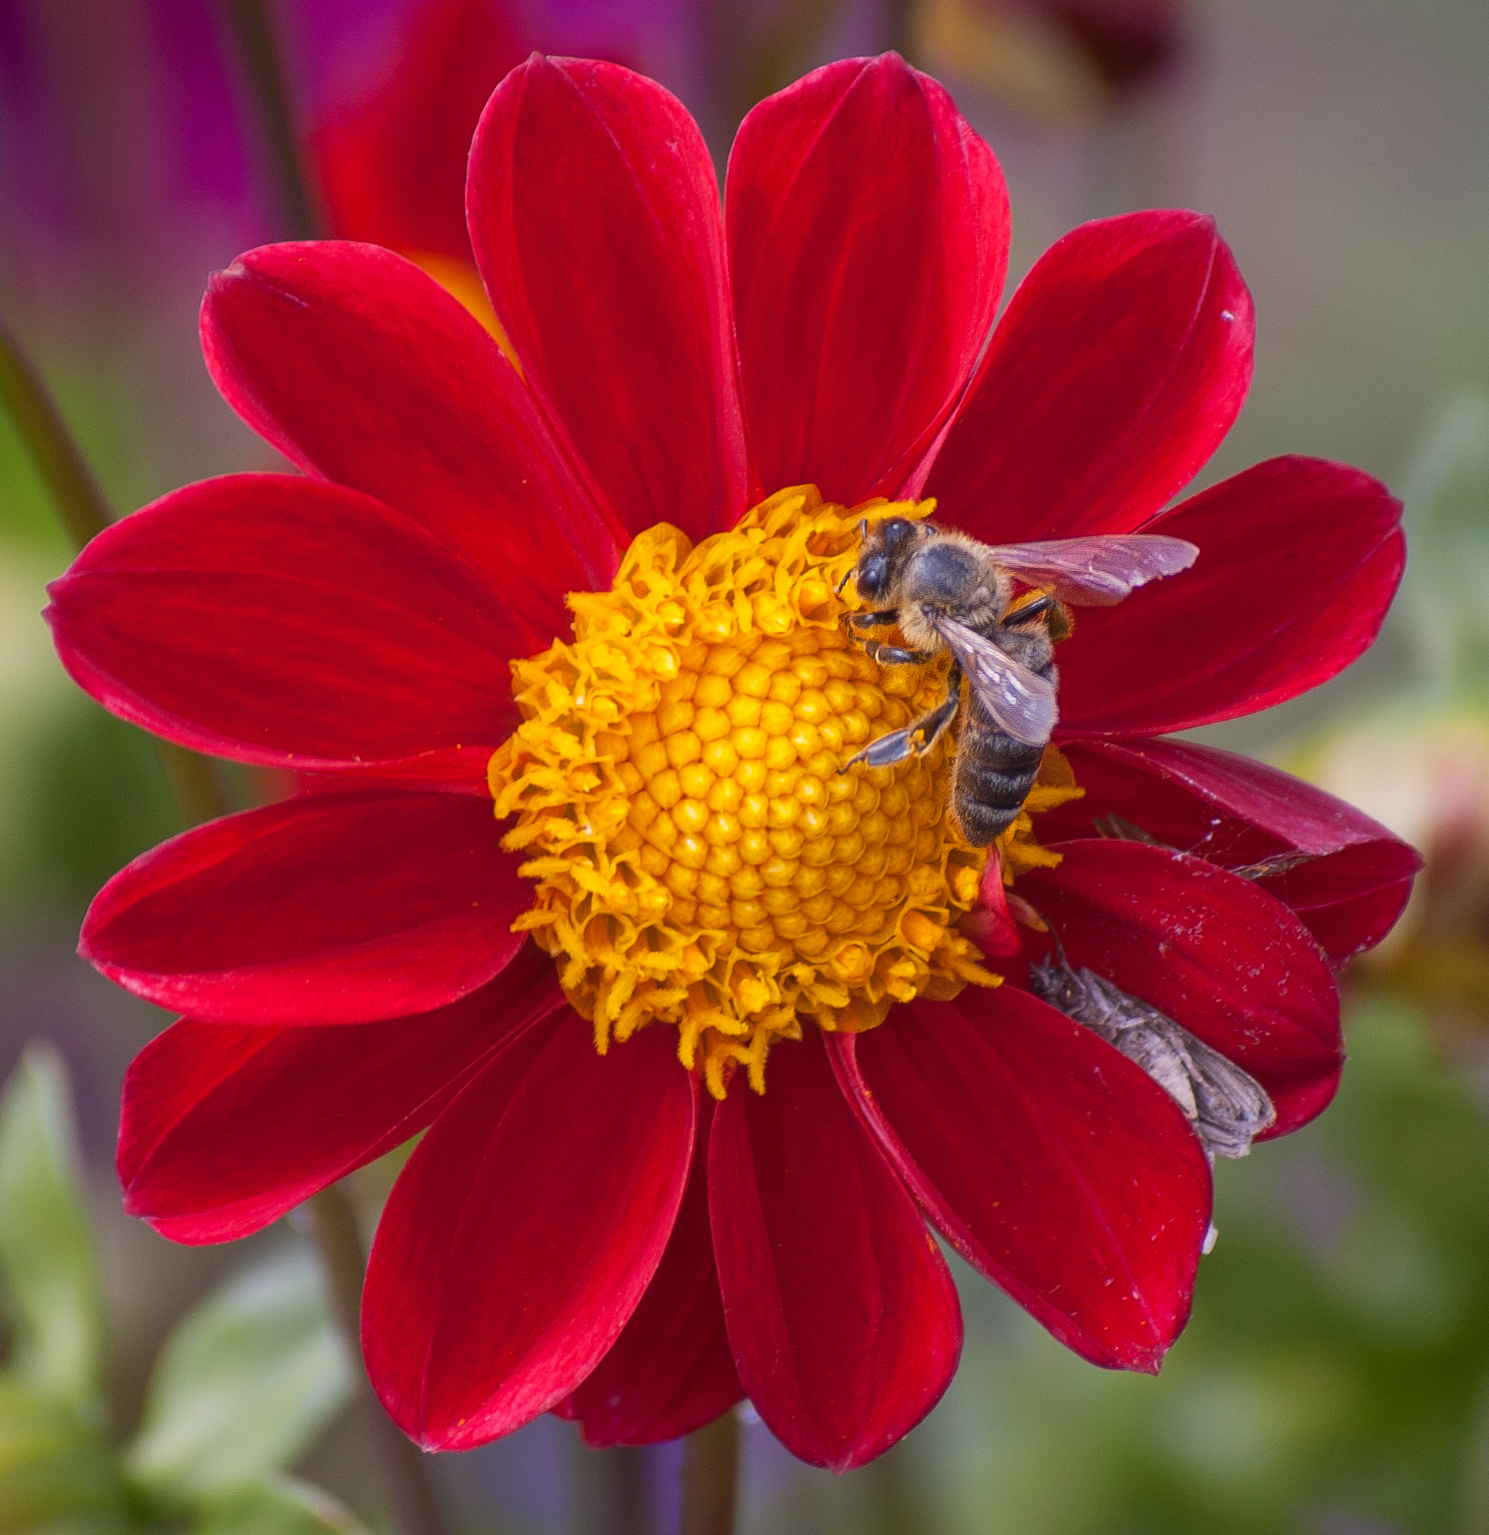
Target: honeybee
[947, 591]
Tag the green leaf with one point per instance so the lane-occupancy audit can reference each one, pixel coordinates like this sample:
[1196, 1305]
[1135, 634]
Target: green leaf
[55, 1471]
[243, 1384]
[277, 1505]
[48, 1259]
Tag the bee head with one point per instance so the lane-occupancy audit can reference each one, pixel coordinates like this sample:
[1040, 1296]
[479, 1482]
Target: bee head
[885, 547]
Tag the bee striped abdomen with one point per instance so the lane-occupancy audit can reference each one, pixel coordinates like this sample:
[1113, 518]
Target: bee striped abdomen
[993, 775]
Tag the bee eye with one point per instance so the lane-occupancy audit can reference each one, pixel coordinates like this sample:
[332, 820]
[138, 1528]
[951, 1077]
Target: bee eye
[872, 573]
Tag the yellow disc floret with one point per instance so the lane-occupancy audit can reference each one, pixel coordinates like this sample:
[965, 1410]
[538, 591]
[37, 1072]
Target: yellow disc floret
[701, 858]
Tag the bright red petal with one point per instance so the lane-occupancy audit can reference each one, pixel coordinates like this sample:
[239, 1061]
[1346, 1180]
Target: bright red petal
[362, 370]
[868, 239]
[1051, 1162]
[1120, 364]
[1244, 815]
[332, 908]
[392, 169]
[278, 620]
[1228, 961]
[594, 213]
[226, 1127]
[521, 1235]
[841, 1312]
[670, 1371]
[1298, 562]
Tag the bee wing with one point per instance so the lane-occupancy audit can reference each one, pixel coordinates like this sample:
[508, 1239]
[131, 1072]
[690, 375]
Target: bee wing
[1021, 701]
[1100, 570]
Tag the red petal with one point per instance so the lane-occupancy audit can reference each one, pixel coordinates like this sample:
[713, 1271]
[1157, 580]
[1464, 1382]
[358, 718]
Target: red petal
[990, 924]
[281, 621]
[362, 370]
[340, 908]
[1241, 814]
[1298, 562]
[1121, 362]
[392, 169]
[670, 1371]
[1228, 961]
[594, 213]
[225, 1127]
[1051, 1162]
[520, 1236]
[868, 239]
[841, 1311]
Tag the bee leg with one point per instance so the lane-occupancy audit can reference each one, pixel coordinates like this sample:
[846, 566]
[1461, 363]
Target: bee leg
[900, 744]
[894, 655]
[1026, 615]
[871, 620]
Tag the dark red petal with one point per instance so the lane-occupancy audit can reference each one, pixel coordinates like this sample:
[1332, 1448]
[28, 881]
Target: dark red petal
[670, 1371]
[594, 213]
[1228, 961]
[362, 370]
[392, 168]
[286, 622]
[1242, 814]
[1121, 362]
[225, 1127]
[1298, 562]
[841, 1312]
[1051, 1162]
[333, 908]
[868, 239]
[519, 1238]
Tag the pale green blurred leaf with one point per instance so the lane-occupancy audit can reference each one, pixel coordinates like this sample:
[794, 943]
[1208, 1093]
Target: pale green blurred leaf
[56, 1473]
[243, 1384]
[48, 1259]
[277, 1505]
[1446, 493]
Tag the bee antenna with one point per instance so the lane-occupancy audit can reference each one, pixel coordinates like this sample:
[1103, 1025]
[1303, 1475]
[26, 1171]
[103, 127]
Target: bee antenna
[837, 591]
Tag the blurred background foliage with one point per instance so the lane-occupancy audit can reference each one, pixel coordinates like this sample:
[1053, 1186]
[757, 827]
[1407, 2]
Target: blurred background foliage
[1335, 1378]
[244, 1382]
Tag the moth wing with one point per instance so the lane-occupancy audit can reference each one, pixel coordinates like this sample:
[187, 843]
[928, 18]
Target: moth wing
[1233, 1106]
[1098, 571]
[1021, 701]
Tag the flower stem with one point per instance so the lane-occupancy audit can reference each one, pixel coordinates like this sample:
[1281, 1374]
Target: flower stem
[263, 64]
[84, 510]
[82, 507]
[710, 1474]
[333, 1223]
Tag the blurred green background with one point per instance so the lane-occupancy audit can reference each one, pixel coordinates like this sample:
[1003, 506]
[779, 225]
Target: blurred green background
[1335, 1378]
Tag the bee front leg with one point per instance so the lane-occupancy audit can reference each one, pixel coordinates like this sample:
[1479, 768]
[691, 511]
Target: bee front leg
[871, 620]
[894, 655]
[913, 741]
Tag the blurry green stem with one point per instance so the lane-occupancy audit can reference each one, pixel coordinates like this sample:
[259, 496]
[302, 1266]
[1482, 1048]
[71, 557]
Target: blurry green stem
[710, 1476]
[81, 505]
[258, 49]
[83, 510]
[405, 1472]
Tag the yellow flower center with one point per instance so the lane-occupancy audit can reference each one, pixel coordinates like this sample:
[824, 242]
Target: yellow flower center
[701, 858]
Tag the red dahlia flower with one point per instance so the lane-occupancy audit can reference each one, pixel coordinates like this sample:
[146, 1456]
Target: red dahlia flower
[604, 1231]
